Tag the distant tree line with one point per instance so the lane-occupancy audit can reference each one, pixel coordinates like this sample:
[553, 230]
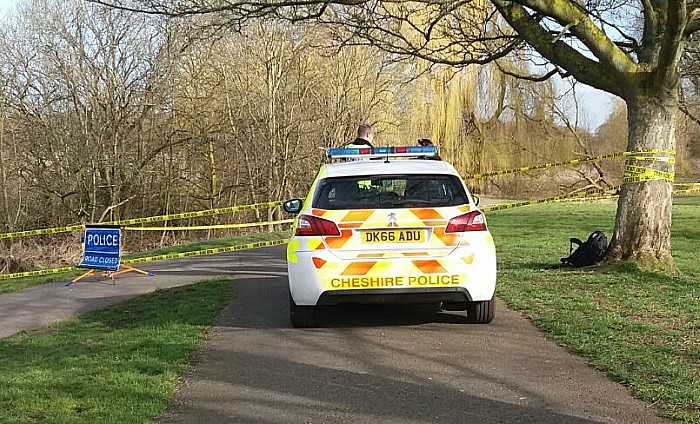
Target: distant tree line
[106, 114]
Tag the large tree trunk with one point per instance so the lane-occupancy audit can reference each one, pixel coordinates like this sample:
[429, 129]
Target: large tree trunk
[643, 223]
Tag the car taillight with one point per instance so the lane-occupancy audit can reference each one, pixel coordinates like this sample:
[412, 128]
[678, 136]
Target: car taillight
[309, 225]
[470, 221]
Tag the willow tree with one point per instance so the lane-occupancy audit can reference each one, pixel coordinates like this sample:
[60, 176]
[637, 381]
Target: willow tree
[630, 48]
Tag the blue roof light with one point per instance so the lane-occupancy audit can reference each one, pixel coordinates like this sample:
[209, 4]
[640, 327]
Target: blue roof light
[381, 152]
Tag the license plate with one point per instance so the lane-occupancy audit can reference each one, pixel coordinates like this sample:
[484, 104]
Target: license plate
[393, 236]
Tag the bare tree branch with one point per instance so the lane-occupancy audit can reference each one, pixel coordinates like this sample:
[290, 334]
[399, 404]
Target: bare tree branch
[570, 14]
[693, 20]
[112, 207]
[530, 77]
[670, 51]
[582, 68]
[684, 108]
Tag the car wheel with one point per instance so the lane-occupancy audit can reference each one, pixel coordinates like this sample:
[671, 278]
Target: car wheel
[481, 312]
[302, 316]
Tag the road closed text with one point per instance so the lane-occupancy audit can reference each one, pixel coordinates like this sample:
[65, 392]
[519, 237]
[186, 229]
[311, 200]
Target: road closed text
[101, 260]
[341, 283]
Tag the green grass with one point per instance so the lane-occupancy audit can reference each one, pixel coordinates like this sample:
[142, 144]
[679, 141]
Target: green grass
[116, 365]
[8, 286]
[15, 284]
[120, 365]
[642, 328]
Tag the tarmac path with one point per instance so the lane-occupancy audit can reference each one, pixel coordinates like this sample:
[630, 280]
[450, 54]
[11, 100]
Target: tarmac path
[385, 365]
[366, 365]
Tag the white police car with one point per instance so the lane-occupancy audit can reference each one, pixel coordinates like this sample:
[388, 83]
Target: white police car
[392, 227]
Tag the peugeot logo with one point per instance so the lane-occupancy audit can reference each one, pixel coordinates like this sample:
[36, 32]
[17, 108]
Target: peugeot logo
[392, 219]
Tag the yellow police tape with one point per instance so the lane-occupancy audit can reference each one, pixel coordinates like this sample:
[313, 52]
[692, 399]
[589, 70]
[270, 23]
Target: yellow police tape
[667, 159]
[639, 174]
[487, 208]
[202, 252]
[146, 220]
[587, 199]
[571, 199]
[38, 273]
[210, 227]
[632, 175]
[195, 214]
[43, 231]
[584, 160]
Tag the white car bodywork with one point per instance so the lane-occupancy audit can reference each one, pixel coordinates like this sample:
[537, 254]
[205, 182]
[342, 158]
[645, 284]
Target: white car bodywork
[363, 265]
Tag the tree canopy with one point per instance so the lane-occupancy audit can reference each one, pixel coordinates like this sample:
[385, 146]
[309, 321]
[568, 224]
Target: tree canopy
[630, 48]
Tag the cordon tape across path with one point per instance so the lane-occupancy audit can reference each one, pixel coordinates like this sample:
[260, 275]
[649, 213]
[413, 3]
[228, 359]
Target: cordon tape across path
[202, 252]
[633, 174]
[159, 218]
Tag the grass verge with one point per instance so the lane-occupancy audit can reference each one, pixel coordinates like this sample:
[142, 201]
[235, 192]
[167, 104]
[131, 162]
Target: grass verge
[8, 286]
[642, 328]
[115, 365]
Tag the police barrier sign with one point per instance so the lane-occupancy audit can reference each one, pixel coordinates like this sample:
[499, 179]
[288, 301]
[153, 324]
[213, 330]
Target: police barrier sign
[102, 248]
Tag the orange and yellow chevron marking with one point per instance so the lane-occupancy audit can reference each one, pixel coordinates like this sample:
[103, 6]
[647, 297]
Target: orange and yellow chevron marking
[430, 267]
[316, 244]
[371, 255]
[357, 216]
[350, 225]
[427, 214]
[465, 208]
[318, 262]
[415, 254]
[447, 239]
[411, 268]
[435, 222]
[339, 242]
[358, 268]
[355, 219]
[349, 222]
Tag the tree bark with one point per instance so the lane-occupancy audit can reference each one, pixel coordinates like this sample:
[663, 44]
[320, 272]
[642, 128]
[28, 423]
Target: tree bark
[643, 224]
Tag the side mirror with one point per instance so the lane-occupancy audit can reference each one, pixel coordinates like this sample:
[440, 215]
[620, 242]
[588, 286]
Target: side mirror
[292, 206]
[476, 199]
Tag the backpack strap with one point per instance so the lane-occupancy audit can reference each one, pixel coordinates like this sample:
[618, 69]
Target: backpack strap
[573, 240]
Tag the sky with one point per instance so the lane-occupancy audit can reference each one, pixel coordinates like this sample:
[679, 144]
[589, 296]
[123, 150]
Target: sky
[6, 5]
[595, 105]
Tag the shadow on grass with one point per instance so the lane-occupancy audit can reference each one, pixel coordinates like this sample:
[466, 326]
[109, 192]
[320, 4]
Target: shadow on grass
[613, 268]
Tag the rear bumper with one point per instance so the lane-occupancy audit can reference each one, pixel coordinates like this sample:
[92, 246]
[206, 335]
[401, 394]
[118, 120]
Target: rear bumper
[320, 278]
[390, 296]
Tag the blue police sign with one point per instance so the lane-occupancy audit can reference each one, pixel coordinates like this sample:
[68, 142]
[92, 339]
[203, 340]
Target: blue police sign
[102, 248]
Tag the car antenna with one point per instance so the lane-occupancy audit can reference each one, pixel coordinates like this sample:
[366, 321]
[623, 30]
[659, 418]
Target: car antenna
[387, 156]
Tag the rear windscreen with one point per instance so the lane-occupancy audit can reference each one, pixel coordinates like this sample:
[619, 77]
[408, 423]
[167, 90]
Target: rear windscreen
[388, 192]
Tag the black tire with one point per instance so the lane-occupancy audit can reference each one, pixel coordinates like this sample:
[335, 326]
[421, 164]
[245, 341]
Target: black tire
[481, 312]
[302, 316]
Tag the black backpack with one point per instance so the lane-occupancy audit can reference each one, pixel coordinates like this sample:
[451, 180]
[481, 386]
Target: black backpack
[587, 253]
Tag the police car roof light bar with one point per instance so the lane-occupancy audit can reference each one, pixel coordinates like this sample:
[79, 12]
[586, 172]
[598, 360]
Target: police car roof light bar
[381, 152]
